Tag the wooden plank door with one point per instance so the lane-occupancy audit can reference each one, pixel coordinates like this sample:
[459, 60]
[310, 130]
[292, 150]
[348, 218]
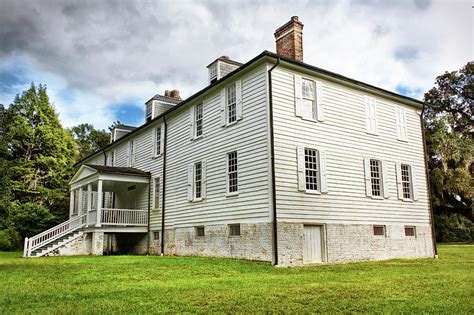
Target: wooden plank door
[312, 244]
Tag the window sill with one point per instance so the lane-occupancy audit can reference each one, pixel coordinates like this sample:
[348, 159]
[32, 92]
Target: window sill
[235, 236]
[197, 199]
[372, 133]
[232, 194]
[310, 119]
[402, 140]
[197, 138]
[157, 156]
[231, 124]
[312, 192]
[407, 200]
[377, 197]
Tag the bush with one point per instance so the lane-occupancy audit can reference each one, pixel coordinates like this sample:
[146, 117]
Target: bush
[453, 227]
[9, 239]
[31, 219]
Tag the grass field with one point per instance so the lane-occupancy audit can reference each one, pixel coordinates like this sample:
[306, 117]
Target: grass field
[184, 284]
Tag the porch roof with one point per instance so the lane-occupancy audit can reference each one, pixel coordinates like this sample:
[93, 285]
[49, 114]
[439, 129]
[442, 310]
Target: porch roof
[89, 173]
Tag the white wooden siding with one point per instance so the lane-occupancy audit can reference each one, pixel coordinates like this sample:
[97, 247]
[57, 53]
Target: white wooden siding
[248, 136]
[344, 138]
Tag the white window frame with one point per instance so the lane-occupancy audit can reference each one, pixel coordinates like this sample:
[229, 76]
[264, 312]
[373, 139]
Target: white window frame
[371, 115]
[155, 181]
[196, 181]
[379, 226]
[412, 182]
[197, 120]
[228, 192]
[192, 181]
[317, 112]
[157, 141]
[228, 104]
[384, 182]
[238, 104]
[409, 227]
[301, 169]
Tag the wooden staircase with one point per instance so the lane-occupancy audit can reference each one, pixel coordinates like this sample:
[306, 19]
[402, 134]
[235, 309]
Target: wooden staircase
[49, 240]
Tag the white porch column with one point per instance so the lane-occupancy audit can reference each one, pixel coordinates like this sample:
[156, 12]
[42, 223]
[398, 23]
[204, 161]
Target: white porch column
[99, 202]
[89, 203]
[71, 203]
[79, 202]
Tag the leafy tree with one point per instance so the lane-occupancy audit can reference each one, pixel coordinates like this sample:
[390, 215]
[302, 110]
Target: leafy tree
[88, 139]
[39, 155]
[449, 137]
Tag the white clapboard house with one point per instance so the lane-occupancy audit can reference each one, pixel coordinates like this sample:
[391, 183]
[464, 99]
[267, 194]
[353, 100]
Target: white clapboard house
[274, 160]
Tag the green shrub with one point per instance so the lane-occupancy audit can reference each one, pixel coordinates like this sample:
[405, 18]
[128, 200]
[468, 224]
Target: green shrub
[453, 227]
[31, 219]
[9, 239]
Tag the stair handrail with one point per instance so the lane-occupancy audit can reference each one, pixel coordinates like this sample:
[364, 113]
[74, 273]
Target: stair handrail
[53, 233]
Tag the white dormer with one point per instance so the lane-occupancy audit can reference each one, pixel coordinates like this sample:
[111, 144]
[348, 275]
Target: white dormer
[159, 104]
[220, 67]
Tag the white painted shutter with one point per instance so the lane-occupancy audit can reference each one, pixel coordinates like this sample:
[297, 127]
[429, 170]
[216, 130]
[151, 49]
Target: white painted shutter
[190, 181]
[322, 167]
[301, 169]
[238, 96]
[368, 182]
[162, 139]
[374, 115]
[385, 179]
[398, 169]
[153, 142]
[403, 124]
[298, 95]
[191, 122]
[223, 116]
[398, 123]
[204, 179]
[367, 113]
[319, 101]
[413, 183]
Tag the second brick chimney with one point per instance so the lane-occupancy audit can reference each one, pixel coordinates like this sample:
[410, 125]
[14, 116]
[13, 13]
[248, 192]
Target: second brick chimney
[289, 39]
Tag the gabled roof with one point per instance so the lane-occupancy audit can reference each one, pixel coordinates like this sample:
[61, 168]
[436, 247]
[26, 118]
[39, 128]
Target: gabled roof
[163, 98]
[274, 56]
[118, 170]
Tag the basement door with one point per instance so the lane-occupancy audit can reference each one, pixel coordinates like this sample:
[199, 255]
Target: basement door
[312, 244]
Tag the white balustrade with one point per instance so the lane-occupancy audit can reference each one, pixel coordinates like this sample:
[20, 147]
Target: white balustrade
[133, 217]
[53, 233]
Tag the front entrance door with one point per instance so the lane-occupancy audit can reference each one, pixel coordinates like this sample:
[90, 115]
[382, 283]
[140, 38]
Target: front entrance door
[131, 202]
[312, 244]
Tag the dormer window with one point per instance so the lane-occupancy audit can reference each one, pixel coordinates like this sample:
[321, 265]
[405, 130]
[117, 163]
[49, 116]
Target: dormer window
[213, 73]
[149, 111]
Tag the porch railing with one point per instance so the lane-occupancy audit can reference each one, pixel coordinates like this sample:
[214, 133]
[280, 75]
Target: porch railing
[124, 217]
[53, 233]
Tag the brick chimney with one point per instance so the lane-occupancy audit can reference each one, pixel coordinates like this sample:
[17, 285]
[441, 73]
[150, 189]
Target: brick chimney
[174, 94]
[289, 39]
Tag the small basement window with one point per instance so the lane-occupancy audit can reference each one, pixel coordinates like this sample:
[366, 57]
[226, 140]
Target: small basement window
[234, 229]
[379, 230]
[410, 231]
[200, 231]
[156, 236]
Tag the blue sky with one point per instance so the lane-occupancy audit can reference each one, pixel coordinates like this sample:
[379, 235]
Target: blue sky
[101, 60]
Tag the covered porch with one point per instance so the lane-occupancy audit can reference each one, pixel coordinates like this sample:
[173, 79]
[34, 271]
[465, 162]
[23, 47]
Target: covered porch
[114, 199]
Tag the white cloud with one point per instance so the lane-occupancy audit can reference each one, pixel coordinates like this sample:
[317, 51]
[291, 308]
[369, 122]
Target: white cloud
[112, 52]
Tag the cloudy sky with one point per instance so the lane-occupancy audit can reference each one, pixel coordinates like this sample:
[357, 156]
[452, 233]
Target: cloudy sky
[101, 60]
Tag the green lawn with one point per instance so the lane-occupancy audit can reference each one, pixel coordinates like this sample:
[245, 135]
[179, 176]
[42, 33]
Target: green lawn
[184, 284]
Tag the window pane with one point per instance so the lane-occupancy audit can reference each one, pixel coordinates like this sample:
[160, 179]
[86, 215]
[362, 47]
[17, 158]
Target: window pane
[198, 122]
[406, 181]
[231, 104]
[234, 229]
[158, 141]
[375, 177]
[198, 180]
[308, 89]
[311, 169]
[157, 193]
[232, 171]
[200, 231]
[409, 231]
[379, 230]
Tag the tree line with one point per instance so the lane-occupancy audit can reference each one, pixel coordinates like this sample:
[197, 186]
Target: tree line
[38, 157]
